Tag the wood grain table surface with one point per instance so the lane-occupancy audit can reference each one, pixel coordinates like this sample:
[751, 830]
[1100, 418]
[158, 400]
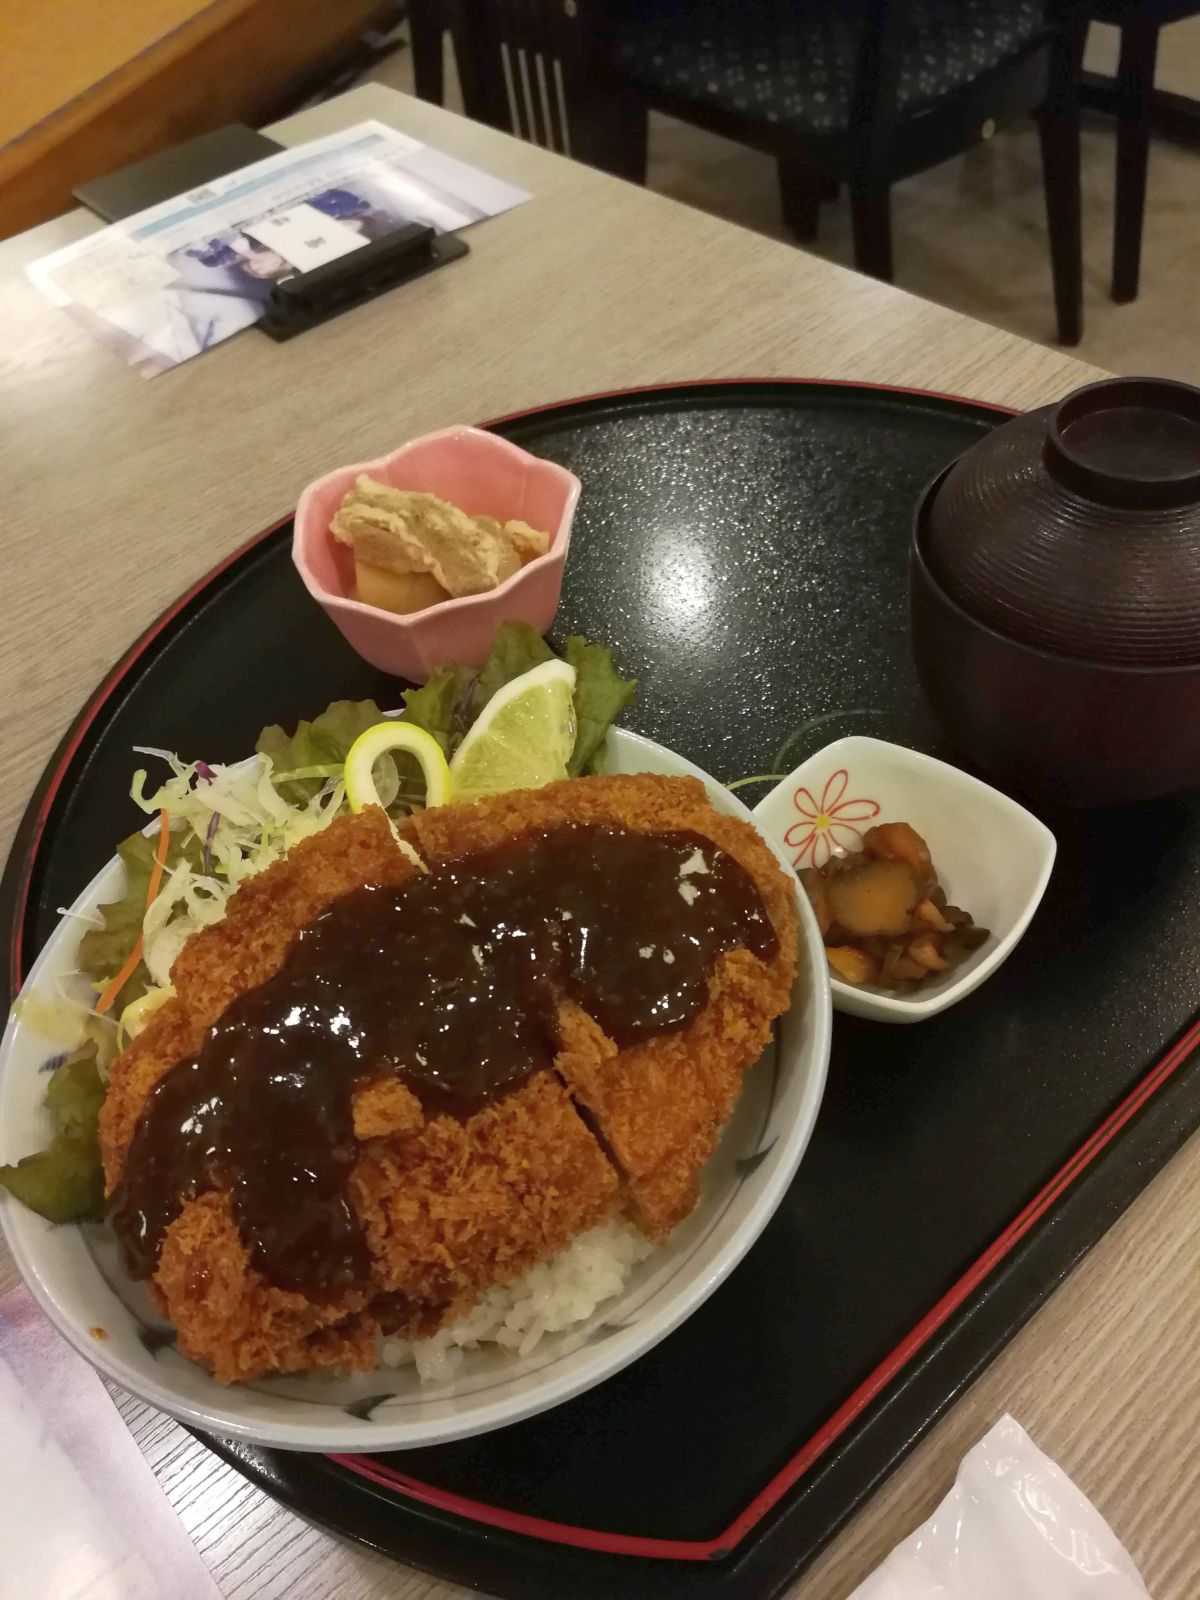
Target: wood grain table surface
[119, 492]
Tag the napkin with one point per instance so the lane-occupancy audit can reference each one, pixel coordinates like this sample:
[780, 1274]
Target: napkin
[1014, 1527]
[81, 1514]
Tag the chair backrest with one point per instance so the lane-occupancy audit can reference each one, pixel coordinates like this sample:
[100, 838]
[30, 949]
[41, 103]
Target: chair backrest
[518, 59]
[511, 56]
[544, 70]
[1044, 68]
[879, 58]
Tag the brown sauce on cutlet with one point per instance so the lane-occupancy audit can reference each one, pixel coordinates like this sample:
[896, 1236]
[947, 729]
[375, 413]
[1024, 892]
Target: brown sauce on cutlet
[452, 982]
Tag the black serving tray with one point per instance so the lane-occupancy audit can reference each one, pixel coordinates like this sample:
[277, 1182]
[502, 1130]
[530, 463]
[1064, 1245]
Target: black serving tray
[743, 547]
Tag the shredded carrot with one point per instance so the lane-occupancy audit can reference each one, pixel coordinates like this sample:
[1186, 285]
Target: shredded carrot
[110, 994]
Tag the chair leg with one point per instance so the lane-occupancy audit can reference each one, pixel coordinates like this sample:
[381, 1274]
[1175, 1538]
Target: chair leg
[1135, 83]
[425, 32]
[1059, 133]
[871, 215]
[609, 133]
[800, 194]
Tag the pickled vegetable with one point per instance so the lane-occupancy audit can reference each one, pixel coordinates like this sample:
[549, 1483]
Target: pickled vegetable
[814, 887]
[878, 897]
[884, 916]
[897, 841]
[925, 952]
[851, 964]
[928, 915]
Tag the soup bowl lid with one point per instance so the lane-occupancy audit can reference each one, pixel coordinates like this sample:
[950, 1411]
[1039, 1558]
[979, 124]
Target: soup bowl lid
[1076, 528]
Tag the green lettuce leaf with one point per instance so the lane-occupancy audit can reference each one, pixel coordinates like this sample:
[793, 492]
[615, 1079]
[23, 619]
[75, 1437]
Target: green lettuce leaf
[450, 702]
[453, 698]
[443, 706]
[517, 648]
[325, 741]
[65, 1181]
[104, 951]
[601, 694]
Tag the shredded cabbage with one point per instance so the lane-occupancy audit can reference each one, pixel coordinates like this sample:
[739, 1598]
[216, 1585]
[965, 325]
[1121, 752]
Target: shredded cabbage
[241, 824]
[229, 822]
[137, 1014]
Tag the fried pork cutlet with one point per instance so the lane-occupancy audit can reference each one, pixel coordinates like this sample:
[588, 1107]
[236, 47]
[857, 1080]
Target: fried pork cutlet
[449, 1204]
[658, 1106]
[467, 1204]
[228, 1317]
[246, 947]
[234, 1322]
[447, 1213]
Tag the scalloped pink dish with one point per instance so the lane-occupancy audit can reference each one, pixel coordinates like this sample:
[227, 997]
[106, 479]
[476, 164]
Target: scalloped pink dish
[484, 475]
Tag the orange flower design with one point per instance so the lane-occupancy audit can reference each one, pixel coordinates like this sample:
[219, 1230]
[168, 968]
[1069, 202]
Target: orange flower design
[825, 826]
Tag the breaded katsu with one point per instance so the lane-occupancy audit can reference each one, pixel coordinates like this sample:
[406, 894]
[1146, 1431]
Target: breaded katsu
[658, 1106]
[436, 1203]
[247, 946]
[449, 1199]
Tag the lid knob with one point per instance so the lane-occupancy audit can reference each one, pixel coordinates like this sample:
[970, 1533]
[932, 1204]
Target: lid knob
[1128, 442]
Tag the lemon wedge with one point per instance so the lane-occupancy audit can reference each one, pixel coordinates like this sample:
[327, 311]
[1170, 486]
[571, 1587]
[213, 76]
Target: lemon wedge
[522, 738]
[382, 739]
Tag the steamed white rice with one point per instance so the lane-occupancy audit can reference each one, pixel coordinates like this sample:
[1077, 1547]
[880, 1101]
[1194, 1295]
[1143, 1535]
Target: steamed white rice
[551, 1297]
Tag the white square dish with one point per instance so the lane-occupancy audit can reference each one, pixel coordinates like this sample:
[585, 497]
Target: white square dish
[992, 856]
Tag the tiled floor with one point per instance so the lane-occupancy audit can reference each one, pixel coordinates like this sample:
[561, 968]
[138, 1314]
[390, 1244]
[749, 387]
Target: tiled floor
[971, 233]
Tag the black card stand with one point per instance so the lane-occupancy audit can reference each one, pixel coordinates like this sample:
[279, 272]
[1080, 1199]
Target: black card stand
[308, 298]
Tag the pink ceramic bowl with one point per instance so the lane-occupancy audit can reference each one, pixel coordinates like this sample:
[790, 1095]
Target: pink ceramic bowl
[484, 475]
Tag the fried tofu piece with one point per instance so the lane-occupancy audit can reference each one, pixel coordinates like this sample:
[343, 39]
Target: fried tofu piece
[529, 543]
[405, 532]
[234, 1322]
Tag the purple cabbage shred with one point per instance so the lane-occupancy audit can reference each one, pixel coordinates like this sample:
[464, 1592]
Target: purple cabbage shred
[214, 824]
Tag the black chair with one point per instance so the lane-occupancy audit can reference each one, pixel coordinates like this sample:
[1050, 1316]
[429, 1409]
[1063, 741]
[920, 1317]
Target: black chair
[542, 69]
[428, 23]
[858, 93]
[1132, 98]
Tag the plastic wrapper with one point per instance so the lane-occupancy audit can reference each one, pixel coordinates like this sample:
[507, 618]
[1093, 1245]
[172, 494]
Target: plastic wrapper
[1014, 1527]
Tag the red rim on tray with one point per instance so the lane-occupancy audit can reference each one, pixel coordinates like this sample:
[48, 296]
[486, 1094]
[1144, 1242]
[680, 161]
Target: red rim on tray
[742, 547]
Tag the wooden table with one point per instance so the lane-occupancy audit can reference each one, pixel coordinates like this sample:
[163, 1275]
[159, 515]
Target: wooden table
[119, 492]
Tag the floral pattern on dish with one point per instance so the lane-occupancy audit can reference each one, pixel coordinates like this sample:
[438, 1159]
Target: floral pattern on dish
[826, 826]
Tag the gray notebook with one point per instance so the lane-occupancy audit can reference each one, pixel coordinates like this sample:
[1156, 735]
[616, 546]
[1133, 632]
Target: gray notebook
[176, 171]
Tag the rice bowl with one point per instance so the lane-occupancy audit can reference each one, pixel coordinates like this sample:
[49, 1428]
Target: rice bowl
[569, 1324]
[550, 1298]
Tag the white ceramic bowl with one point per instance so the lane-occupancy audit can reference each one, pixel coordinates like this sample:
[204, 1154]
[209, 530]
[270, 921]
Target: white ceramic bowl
[75, 1274]
[992, 856]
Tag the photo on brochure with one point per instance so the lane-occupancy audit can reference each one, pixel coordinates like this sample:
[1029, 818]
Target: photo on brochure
[171, 282]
